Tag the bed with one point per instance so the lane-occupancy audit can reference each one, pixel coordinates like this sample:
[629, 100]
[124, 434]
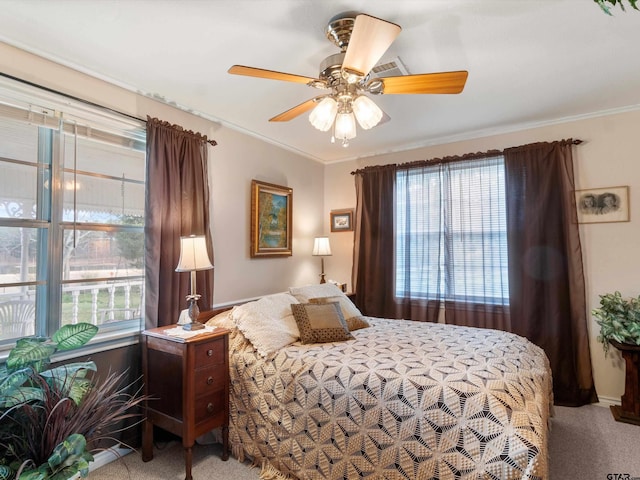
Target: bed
[395, 399]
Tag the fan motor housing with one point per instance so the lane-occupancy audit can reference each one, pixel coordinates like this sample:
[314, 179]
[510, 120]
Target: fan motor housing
[331, 68]
[339, 29]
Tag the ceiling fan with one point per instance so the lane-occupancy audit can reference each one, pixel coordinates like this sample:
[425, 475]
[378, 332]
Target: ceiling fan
[362, 40]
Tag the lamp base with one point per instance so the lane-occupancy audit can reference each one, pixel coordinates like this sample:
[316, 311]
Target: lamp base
[322, 280]
[193, 326]
[194, 311]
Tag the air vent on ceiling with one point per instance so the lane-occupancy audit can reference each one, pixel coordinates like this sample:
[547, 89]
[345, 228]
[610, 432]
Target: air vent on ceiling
[392, 68]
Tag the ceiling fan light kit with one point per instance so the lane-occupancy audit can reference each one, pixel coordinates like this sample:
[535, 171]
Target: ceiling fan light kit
[363, 40]
[367, 112]
[345, 128]
[340, 114]
[323, 114]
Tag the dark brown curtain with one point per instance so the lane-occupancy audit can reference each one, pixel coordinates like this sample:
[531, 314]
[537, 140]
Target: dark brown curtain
[546, 282]
[177, 204]
[374, 246]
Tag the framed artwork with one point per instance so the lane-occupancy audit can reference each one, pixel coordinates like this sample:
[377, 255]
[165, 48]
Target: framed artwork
[342, 220]
[271, 220]
[599, 205]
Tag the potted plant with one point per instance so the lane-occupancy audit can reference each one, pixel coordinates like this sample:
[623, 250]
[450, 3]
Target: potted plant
[52, 418]
[619, 319]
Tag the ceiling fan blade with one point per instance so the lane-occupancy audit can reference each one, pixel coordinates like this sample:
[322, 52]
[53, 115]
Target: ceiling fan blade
[443, 82]
[270, 74]
[370, 38]
[297, 110]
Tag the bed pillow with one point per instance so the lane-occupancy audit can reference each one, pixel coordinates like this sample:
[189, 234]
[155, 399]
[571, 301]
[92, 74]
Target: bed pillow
[304, 293]
[268, 323]
[349, 310]
[326, 290]
[356, 323]
[222, 320]
[320, 322]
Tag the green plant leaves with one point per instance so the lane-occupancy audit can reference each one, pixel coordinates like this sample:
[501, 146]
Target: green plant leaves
[36, 352]
[30, 352]
[20, 395]
[32, 475]
[70, 379]
[8, 381]
[76, 369]
[69, 337]
[619, 319]
[75, 444]
[604, 5]
[79, 389]
[67, 459]
[5, 472]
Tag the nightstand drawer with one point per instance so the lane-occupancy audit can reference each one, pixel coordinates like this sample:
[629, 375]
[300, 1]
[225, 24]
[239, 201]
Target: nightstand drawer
[209, 379]
[211, 353]
[210, 407]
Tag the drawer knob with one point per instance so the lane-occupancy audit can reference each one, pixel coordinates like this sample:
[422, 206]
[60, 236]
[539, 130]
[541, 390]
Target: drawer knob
[209, 380]
[209, 353]
[210, 407]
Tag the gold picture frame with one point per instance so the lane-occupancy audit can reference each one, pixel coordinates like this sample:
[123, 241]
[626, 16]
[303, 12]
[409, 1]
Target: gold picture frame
[271, 220]
[600, 205]
[342, 220]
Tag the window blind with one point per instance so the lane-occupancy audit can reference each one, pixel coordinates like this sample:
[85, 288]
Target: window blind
[451, 232]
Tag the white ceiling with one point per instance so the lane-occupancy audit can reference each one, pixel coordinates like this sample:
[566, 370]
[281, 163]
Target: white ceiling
[530, 62]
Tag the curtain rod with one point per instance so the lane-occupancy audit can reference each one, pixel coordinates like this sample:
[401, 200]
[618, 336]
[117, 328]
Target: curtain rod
[179, 128]
[466, 156]
[72, 97]
[213, 143]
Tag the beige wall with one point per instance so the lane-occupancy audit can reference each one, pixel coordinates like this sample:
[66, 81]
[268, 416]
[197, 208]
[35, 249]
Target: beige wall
[608, 157]
[233, 163]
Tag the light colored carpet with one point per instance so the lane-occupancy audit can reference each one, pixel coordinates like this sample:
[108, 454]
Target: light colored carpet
[586, 443]
[168, 463]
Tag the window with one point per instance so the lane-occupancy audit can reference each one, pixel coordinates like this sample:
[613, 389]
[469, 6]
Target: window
[451, 233]
[72, 196]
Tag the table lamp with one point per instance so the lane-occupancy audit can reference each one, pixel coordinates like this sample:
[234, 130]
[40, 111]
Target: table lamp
[321, 248]
[193, 257]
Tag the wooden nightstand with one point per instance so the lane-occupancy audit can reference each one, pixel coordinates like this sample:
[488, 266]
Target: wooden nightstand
[189, 383]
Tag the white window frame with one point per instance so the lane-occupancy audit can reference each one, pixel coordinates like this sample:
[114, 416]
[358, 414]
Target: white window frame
[55, 113]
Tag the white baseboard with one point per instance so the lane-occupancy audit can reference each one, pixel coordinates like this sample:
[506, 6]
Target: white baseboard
[100, 459]
[607, 401]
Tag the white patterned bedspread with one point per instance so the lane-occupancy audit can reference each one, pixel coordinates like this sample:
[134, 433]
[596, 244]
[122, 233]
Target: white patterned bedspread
[404, 400]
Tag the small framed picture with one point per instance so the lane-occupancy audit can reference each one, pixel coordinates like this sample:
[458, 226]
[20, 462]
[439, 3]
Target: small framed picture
[600, 205]
[342, 220]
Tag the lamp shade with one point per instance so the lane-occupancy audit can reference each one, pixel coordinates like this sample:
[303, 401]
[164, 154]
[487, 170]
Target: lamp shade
[321, 246]
[367, 112]
[345, 128]
[193, 254]
[323, 114]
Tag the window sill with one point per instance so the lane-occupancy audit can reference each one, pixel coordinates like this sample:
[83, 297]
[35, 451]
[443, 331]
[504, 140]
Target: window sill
[100, 343]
